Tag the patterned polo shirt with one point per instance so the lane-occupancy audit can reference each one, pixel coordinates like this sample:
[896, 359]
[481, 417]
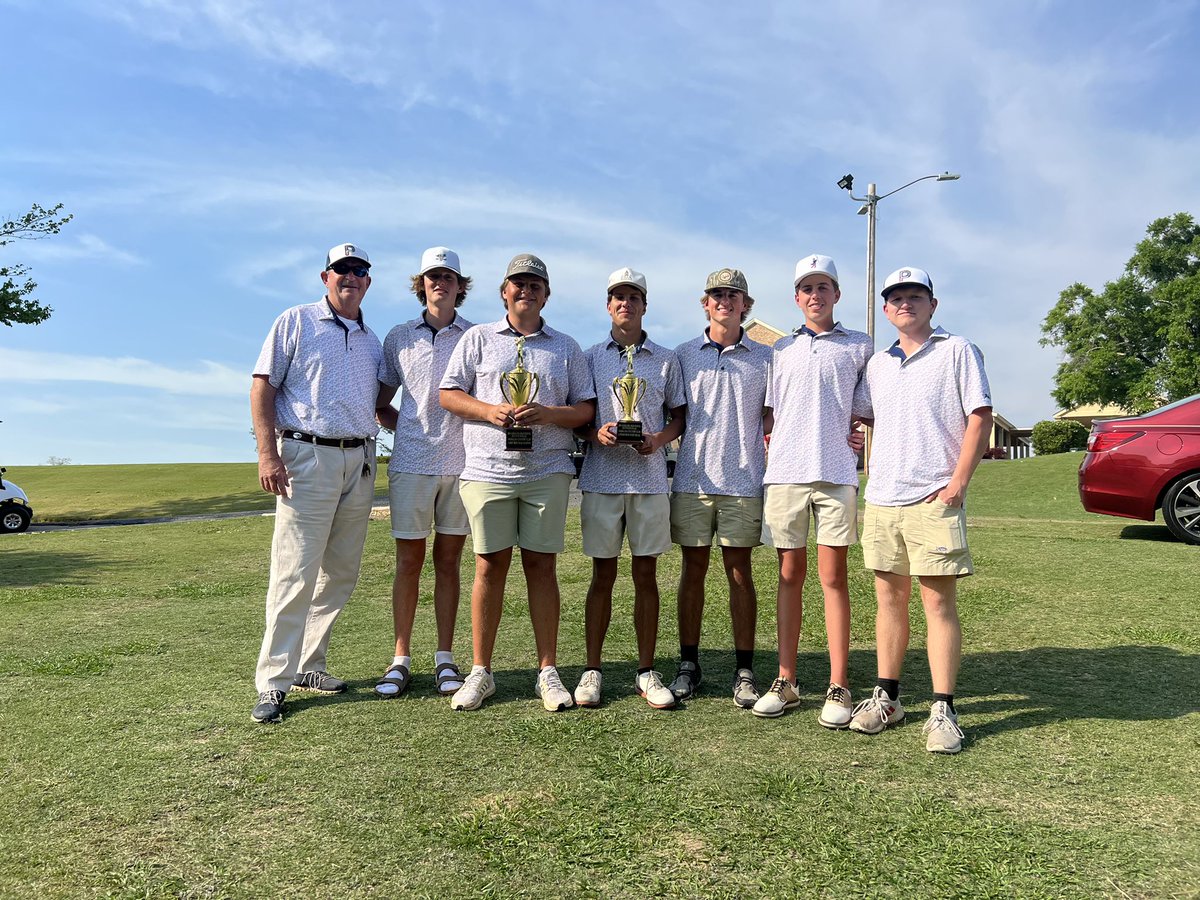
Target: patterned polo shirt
[476, 364]
[726, 389]
[326, 372]
[621, 469]
[810, 387]
[920, 405]
[428, 438]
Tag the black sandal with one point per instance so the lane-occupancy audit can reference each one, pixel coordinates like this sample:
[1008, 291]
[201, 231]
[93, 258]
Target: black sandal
[446, 673]
[397, 676]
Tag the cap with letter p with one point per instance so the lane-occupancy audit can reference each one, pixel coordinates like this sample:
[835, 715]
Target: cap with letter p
[440, 258]
[816, 264]
[905, 276]
[346, 251]
[627, 276]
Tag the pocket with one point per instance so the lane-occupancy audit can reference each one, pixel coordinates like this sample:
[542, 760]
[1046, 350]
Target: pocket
[947, 527]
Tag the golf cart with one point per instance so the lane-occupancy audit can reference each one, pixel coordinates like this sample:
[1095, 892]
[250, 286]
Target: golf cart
[15, 511]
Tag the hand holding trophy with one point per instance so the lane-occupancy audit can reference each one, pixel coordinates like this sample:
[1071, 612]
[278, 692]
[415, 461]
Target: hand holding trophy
[629, 390]
[518, 387]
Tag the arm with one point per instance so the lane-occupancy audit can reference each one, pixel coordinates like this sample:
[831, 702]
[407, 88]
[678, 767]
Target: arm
[652, 443]
[975, 441]
[272, 474]
[464, 405]
[768, 421]
[385, 413]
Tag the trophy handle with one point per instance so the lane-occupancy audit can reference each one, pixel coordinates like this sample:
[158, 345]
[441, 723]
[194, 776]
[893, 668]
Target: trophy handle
[640, 392]
[535, 386]
[504, 388]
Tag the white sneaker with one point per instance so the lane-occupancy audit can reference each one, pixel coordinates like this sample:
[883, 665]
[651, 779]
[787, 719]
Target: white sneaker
[587, 692]
[838, 707]
[781, 697]
[944, 734]
[550, 688]
[877, 712]
[649, 685]
[478, 687]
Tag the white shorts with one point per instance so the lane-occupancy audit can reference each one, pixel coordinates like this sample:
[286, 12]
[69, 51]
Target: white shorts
[787, 508]
[607, 518]
[420, 500]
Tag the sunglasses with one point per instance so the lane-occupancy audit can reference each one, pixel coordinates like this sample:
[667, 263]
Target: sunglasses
[344, 268]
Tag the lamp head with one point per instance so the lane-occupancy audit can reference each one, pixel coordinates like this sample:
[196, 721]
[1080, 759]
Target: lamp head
[846, 182]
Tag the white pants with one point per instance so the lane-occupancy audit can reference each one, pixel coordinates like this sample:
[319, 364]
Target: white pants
[320, 531]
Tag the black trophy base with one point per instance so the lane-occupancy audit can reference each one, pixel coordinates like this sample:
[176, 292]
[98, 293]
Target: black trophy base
[518, 438]
[629, 432]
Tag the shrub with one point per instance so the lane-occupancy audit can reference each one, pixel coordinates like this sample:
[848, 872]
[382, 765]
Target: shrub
[1053, 436]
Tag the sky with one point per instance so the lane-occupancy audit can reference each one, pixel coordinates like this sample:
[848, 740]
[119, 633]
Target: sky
[211, 151]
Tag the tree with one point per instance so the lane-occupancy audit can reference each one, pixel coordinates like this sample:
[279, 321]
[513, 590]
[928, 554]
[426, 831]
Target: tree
[16, 306]
[1136, 344]
[1059, 436]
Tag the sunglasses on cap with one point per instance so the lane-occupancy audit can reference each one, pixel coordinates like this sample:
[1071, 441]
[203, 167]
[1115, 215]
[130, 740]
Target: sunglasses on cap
[344, 268]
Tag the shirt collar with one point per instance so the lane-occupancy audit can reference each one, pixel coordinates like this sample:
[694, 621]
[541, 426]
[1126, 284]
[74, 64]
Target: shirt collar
[836, 329]
[939, 334]
[505, 327]
[643, 343]
[709, 342]
[421, 322]
[328, 313]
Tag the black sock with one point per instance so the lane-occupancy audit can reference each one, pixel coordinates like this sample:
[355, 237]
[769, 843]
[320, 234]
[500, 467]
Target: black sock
[591, 668]
[744, 658]
[645, 670]
[891, 685]
[689, 653]
[948, 699]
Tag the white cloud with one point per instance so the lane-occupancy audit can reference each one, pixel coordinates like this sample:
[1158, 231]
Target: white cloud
[203, 379]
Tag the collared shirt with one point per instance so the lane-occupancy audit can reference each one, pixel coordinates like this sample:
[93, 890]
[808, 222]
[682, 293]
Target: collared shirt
[326, 373]
[810, 387]
[621, 469]
[428, 439]
[483, 354]
[726, 388]
[920, 405]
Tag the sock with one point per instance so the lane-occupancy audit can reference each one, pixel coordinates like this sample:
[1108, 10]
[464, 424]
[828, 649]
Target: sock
[479, 670]
[891, 685]
[689, 653]
[643, 671]
[591, 668]
[745, 658]
[947, 698]
[443, 656]
[405, 661]
[447, 657]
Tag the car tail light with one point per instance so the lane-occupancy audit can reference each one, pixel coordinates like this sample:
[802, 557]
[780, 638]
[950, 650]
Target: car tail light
[1100, 441]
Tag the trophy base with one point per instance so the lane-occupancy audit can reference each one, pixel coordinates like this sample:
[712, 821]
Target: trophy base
[629, 432]
[518, 438]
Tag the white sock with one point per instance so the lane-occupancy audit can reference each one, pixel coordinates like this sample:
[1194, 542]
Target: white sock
[443, 657]
[478, 670]
[405, 661]
[389, 688]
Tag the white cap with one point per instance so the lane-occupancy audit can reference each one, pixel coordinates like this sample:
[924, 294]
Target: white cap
[346, 251]
[440, 258]
[815, 265]
[907, 275]
[627, 276]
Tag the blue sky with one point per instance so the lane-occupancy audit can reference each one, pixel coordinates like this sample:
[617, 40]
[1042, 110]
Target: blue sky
[211, 152]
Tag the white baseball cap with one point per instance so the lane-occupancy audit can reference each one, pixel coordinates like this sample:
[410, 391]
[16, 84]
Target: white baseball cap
[627, 276]
[440, 258]
[907, 275]
[346, 251]
[815, 265]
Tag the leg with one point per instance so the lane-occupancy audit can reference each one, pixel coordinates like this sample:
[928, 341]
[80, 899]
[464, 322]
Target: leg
[743, 601]
[541, 580]
[939, 594]
[891, 623]
[487, 602]
[793, 566]
[831, 566]
[691, 593]
[410, 558]
[598, 612]
[645, 608]
[447, 560]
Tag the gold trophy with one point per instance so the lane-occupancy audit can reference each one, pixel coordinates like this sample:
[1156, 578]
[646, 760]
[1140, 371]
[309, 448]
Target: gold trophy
[519, 387]
[629, 390]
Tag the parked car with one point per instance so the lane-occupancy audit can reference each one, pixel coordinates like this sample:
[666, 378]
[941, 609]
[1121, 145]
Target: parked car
[1137, 465]
[15, 511]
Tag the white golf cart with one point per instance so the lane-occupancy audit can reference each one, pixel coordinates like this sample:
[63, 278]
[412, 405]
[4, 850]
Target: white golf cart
[15, 511]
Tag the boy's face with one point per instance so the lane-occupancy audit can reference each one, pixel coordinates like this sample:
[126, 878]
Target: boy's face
[816, 296]
[626, 306]
[910, 307]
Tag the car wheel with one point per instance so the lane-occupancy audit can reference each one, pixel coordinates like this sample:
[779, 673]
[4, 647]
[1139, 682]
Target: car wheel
[1181, 508]
[14, 519]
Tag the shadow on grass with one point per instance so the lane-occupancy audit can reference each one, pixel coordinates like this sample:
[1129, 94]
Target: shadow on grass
[37, 567]
[1148, 533]
[248, 503]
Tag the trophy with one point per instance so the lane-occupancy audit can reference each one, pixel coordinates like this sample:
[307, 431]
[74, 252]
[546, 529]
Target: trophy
[629, 390]
[519, 387]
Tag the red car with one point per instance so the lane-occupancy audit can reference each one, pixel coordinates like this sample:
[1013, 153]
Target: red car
[1136, 465]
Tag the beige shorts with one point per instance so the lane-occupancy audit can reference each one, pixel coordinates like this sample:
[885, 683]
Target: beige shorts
[919, 539]
[607, 518]
[531, 515]
[697, 518]
[420, 500]
[787, 508]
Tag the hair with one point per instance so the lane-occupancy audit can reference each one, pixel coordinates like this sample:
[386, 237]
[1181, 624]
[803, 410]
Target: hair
[748, 305]
[464, 285]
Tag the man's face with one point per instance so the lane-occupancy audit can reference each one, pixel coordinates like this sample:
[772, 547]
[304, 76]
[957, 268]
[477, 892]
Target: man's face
[440, 284]
[816, 296]
[626, 306]
[910, 307]
[343, 281]
[525, 294]
[725, 306]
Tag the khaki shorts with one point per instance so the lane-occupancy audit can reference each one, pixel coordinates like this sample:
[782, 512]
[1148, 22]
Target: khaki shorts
[531, 515]
[607, 518]
[697, 518]
[919, 539]
[419, 500]
[786, 509]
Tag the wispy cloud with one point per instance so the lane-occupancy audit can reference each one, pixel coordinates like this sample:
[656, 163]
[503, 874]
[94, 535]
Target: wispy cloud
[78, 247]
[202, 379]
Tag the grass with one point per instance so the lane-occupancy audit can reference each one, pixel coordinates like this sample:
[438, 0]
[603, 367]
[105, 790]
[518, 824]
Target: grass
[132, 770]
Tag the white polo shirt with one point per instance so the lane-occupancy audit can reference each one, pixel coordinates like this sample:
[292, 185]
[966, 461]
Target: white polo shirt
[429, 440]
[920, 405]
[810, 387]
[327, 373]
[621, 469]
[482, 355]
[722, 448]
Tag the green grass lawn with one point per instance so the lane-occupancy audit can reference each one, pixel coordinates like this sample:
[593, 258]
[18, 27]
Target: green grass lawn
[131, 768]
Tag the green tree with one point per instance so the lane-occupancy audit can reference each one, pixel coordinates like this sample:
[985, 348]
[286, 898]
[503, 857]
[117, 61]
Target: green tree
[1136, 344]
[1059, 436]
[16, 306]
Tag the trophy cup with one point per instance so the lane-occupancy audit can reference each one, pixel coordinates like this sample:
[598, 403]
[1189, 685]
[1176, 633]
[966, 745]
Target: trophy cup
[519, 387]
[629, 390]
